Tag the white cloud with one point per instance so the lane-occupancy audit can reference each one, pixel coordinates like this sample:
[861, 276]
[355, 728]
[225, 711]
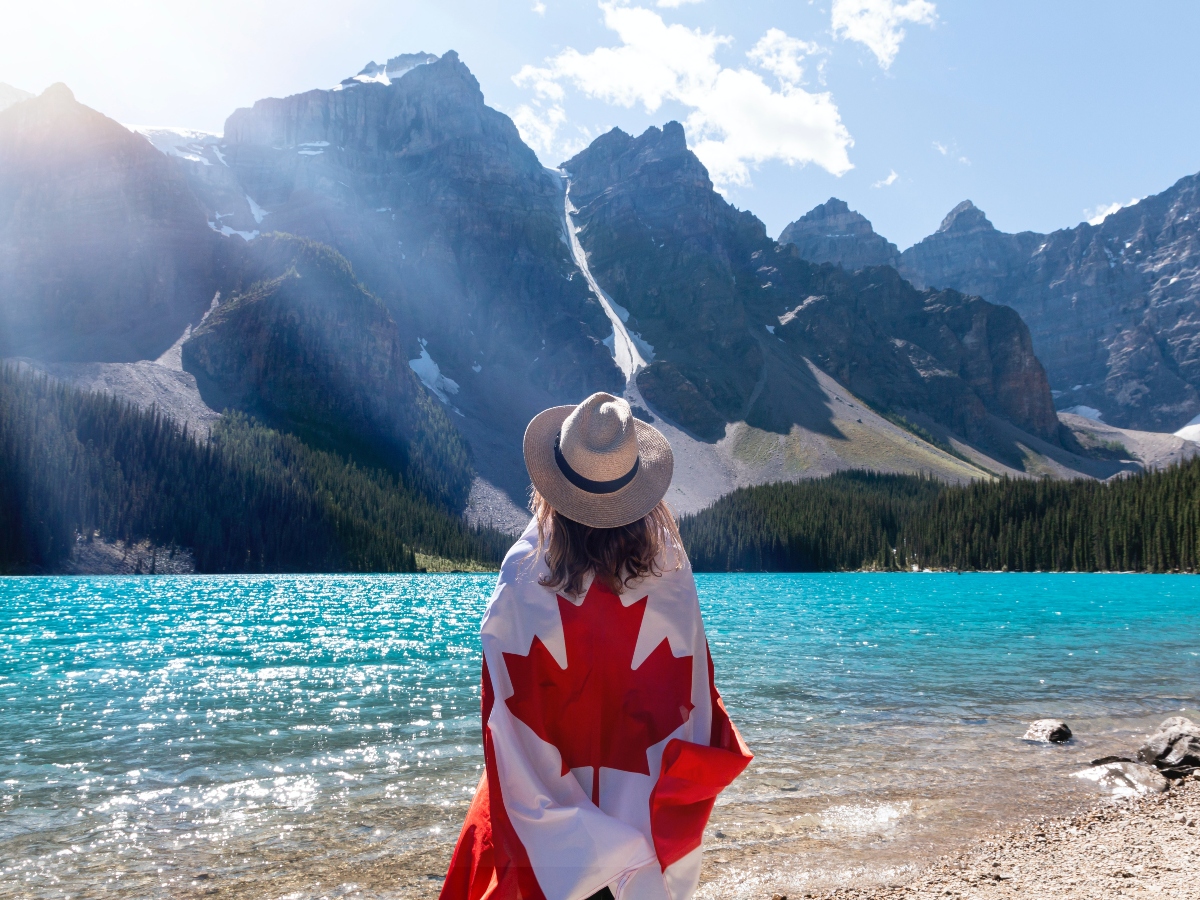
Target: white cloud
[887, 182]
[736, 119]
[1098, 214]
[782, 56]
[539, 126]
[675, 4]
[952, 149]
[879, 23]
[539, 7]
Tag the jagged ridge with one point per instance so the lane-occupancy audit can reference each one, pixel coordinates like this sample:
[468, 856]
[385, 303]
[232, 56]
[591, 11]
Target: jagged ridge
[732, 314]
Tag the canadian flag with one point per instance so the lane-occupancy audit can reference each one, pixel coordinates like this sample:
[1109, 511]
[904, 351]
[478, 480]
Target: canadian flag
[605, 741]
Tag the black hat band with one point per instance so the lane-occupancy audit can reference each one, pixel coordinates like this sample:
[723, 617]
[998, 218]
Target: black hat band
[586, 484]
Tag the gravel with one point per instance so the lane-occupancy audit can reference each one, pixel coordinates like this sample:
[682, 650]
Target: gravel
[1141, 847]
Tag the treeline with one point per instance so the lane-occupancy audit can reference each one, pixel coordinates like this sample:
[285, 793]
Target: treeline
[249, 499]
[1149, 522]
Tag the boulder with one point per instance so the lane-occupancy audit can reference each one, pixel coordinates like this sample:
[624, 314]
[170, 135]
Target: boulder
[1174, 748]
[1048, 731]
[1125, 779]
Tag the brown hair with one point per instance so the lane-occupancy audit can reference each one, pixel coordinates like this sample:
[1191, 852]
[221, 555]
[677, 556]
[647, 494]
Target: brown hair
[617, 556]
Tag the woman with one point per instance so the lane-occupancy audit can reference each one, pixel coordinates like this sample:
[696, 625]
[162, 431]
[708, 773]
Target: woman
[605, 740]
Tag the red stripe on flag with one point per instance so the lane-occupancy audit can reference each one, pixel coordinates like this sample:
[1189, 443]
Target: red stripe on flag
[489, 862]
[689, 781]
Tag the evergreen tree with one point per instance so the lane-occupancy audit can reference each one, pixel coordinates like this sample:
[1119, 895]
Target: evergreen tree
[246, 499]
[1147, 522]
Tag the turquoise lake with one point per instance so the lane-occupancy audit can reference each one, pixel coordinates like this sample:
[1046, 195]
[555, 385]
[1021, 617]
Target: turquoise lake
[308, 737]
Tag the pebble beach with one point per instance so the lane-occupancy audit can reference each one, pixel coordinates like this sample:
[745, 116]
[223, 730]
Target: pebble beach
[1147, 846]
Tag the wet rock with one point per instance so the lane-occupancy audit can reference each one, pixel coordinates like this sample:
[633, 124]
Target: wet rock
[1174, 748]
[1125, 779]
[1048, 731]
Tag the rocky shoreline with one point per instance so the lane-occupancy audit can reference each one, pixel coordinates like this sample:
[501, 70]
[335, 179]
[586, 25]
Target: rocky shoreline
[1143, 840]
[1147, 845]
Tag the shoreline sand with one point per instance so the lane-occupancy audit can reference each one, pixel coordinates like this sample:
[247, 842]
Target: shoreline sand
[1137, 847]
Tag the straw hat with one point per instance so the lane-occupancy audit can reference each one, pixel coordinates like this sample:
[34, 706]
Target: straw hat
[596, 464]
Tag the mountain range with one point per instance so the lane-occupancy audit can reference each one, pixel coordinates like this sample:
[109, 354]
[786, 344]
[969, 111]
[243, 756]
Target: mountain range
[385, 270]
[1113, 306]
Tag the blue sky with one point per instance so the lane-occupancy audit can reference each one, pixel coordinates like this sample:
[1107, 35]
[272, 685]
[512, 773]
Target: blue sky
[1042, 113]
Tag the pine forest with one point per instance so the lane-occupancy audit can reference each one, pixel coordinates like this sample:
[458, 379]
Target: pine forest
[1148, 522]
[74, 466]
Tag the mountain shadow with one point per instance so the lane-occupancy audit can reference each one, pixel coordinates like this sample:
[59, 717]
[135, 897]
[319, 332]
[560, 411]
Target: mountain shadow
[306, 348]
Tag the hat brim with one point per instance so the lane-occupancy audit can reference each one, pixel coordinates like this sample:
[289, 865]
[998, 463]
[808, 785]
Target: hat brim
[622, 507]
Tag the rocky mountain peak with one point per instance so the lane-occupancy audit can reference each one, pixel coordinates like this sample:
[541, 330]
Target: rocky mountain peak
[58, 93]
[965, 219]
[1112, 308]
[394, 68]
[104, 252]
[832, 232]
[659, 159]
[434, 101]
[55, 104]
[10, 95]
[832, 217]
[673, 138]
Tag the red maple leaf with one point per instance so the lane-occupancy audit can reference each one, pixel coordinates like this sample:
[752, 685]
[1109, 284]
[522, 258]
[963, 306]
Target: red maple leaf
[599, 711]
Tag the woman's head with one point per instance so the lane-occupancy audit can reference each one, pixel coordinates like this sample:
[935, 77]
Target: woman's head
[596, 464]
[599, 477]
[616, 556]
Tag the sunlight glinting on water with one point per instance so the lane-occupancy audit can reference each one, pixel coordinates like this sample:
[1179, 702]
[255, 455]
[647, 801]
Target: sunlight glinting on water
[159, 736]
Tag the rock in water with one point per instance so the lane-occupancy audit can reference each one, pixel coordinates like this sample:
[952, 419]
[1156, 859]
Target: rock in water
[1174, 748]
[1125, 779]
[1048, 731]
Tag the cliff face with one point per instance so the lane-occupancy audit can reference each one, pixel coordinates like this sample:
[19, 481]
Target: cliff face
[834, 233]
[953, 357]
[305, 347]
[659, 240]
[1114, 308]
[732, 315]
[104, 250]
[440, 207]
[446, 215]
[430, 300]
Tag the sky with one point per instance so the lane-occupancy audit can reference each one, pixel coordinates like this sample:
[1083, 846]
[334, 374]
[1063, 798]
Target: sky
[1043, 114]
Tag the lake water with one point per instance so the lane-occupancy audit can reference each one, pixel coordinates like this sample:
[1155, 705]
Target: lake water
[308, 737]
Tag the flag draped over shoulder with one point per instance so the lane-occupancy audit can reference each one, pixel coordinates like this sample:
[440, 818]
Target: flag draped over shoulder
[605, 740]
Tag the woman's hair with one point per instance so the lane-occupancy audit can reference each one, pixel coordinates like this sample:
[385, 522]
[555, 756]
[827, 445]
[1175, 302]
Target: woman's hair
[617, 556]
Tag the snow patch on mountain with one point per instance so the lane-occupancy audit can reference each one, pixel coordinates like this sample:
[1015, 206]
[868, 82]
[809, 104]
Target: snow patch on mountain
[1190, 431]
[229, 231]
[431, 375]
[630, 352]
[184, 143]
[386, 73]
[255, 210]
